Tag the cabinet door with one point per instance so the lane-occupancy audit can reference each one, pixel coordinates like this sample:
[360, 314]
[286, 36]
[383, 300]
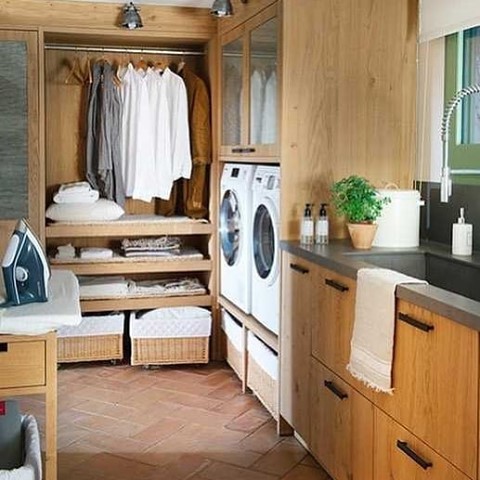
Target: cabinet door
[298, 312]
[435, 380]
[400, 455]
[20, 173]
[250, 88]
[342, 426]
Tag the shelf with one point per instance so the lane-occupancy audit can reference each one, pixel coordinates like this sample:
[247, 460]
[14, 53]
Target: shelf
[122, 265]
[251, 323]
[141, 303]
[130, 226]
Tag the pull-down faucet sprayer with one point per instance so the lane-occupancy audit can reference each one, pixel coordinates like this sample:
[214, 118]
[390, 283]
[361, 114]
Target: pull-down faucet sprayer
[446, 181]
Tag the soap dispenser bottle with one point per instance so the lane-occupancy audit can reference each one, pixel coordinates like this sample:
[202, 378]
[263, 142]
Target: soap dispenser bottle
[321, 228]
[462, 233]
[306, 227]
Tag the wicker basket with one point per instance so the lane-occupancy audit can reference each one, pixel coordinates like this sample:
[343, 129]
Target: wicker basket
[90, 348]
[234, 358]
[263, 385]
[169, 351]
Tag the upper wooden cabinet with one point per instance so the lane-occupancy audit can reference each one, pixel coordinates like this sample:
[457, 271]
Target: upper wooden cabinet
[250, 88]
[435, 380]
[21, 178]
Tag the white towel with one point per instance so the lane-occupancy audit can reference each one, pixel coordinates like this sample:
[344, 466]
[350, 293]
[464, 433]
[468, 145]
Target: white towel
[78, 187]
[371, 351]
[96, 252]
[76, 197]
[103, 287]
[65, 252]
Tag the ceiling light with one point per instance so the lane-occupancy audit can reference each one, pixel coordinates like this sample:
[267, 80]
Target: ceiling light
[131, 17]
[222, 8]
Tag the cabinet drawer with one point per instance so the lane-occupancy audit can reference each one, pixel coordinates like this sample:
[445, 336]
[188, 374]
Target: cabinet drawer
[22, 364]
[435, 380]
[341, 435]
[400, 455]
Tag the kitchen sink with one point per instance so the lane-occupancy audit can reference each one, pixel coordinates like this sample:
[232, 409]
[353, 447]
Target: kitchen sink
[443, 271]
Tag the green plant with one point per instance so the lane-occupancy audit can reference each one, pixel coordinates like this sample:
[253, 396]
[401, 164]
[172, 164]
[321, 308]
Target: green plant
[357, 199]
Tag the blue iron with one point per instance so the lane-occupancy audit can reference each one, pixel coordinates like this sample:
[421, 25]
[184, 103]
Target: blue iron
[25, 268]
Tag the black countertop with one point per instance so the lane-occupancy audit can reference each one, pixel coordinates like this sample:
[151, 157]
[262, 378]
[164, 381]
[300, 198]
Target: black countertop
[342, 258]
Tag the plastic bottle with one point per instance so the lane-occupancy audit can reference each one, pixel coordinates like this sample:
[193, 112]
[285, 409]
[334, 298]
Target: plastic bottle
[462, 236]
[321, 229]
[306, 227]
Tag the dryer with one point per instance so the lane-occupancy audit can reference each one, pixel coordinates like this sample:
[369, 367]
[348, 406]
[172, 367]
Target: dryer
[266, 251]
[235, 234]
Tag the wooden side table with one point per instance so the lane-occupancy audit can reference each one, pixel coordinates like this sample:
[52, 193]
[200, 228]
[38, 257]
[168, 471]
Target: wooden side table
[28, 366]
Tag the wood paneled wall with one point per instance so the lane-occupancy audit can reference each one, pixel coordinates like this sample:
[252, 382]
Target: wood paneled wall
[349, 83]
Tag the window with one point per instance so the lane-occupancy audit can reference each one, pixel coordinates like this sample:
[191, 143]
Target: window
[463, 69]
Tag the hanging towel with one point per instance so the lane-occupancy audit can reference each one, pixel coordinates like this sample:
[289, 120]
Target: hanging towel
[371, 351]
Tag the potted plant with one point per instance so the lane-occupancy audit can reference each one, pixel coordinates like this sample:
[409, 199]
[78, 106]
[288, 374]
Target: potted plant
[356, 199]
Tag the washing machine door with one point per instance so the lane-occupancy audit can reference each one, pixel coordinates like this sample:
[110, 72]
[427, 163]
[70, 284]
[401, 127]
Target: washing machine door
[265, 241]
[230, 227]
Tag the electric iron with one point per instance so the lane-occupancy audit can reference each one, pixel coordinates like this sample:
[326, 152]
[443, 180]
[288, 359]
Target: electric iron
[25, 268]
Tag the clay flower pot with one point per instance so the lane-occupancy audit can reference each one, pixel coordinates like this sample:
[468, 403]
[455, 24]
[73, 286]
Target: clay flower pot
[362, 234]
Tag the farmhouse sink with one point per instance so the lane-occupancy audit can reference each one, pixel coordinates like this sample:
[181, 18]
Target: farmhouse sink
[441, 270]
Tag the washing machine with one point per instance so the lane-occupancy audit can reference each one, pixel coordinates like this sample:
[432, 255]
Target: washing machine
[266, 251]
[236, 234]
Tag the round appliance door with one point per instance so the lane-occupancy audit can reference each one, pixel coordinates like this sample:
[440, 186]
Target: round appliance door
[265, 241]
[230, 227]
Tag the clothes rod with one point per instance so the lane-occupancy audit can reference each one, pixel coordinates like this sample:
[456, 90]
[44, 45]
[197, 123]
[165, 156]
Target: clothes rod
[147, 50]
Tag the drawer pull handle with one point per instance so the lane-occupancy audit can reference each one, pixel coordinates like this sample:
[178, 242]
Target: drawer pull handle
[335, 390]
[425, 327]
[336, 285]
[299, 269]
[403, 446]
[3, 347]
[243, 150]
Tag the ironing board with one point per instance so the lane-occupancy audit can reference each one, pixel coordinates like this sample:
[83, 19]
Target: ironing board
[28, 352]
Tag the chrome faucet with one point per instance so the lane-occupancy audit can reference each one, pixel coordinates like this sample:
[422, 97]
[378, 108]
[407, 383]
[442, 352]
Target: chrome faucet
[447, 172]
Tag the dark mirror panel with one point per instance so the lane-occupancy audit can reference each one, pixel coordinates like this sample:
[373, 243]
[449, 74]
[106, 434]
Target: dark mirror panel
[13, 130]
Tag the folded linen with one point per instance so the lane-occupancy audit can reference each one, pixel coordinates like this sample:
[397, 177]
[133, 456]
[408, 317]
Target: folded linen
[96, 252]
[77, 187]
[65, 252]
[76, 197]
[100, 287]
[371, 351]
[160, 243]
[166, 287]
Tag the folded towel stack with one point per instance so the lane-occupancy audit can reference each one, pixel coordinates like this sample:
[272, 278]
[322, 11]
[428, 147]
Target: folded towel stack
[77, 192]
[65, 252]
[151, 247]
[96, 253]
[178, 286]
[98, 287]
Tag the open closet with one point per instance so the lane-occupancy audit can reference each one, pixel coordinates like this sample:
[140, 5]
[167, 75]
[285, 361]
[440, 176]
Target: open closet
[184, 220]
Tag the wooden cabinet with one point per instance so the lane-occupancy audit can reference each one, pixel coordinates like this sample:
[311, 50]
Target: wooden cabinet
[250, 88]
[400, 455]
[341, 426]
[21, 180]
[435, 380]
[28, 366]
[299, 312]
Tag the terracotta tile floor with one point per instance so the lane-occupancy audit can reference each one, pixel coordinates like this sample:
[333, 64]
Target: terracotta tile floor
[172, 423]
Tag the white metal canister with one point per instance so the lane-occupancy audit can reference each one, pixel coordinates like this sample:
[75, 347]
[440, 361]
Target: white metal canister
[399, 223]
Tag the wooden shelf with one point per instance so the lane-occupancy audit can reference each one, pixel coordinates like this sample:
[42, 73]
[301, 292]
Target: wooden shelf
[140, 303]
[121, 266]
[256, 160]
[127, 229]
[251, 323]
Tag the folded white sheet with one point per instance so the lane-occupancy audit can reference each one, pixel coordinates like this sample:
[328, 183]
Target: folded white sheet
[77, 187]
[99, 287]
[76, 197]
[96, 252]
[62, 308]
[371, 351]
[65, 251]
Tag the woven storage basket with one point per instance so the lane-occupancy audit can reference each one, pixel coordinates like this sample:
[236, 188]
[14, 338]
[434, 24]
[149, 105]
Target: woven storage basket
[98, 337]
[234, 343]
[259, 380]
[170, 336]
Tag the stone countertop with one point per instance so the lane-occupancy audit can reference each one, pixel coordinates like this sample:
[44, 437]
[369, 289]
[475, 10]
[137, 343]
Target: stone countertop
[342, 258]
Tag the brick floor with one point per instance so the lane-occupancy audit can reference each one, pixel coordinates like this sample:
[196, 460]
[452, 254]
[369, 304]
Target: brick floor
[172, 423]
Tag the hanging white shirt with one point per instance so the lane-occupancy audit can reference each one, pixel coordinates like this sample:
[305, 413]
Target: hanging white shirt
[269, 126]
[257, 100]
[138, 159]
[181, 157]
[160, 112]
